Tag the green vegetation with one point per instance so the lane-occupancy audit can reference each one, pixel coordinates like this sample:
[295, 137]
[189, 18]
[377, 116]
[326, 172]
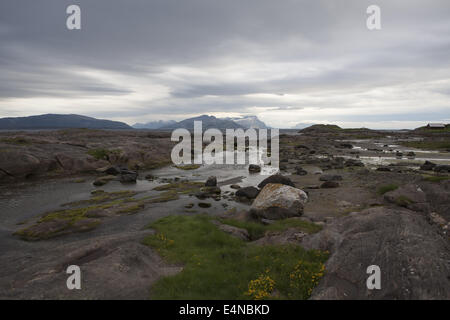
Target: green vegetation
[257, 230]
[59, 222]
[183, 187]
[428, 145]
[102, 154]
[100, 196]
[403, 201]
[219, 266]
[173, 190]
[157, 164]
[133, 208]
[99, 154]
[436, 178]
[16, 140]
[386, 188]
[81, 219]
[164, 197]
[188, 167]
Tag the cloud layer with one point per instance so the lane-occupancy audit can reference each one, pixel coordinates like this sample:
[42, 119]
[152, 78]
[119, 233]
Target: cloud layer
[286, 61]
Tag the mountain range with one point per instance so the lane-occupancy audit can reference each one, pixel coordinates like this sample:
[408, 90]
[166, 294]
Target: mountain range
[59, 121]
[208, 122]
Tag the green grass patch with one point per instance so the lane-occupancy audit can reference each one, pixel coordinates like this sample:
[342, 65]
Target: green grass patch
[428, 145]
[188, 167]
[386, 188]
[99, 154]
[403, 201]
[156, 165]
[100, 196]
[257, 230]
[16, 140]
[102, 154]
[436, 178]
[166, 196]
[181, 187]
[219, 266]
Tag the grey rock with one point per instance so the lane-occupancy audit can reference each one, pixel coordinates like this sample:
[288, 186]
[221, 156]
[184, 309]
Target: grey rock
[330, 177]
[278, 201]
[428, 166]
[211, 182]
[412, 256]
[329, 184]
[254, 168]
[248, 192]
[276, 178]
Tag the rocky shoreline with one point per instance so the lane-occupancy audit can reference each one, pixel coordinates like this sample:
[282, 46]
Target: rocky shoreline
[346, 192]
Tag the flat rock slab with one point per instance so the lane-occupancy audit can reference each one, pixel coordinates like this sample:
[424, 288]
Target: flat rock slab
[112, 267]
[412, 255]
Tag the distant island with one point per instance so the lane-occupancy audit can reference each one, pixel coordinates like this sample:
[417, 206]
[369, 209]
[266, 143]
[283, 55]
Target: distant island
[59, 121]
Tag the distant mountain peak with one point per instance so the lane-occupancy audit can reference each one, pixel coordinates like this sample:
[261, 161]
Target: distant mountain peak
[154, 124]
[249, 121]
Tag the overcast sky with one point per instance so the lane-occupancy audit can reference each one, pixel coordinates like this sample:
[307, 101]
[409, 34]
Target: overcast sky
[286, 61]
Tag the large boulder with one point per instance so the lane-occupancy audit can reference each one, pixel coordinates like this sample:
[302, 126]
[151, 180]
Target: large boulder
[276, 178]
[412, 256]
[278, 201]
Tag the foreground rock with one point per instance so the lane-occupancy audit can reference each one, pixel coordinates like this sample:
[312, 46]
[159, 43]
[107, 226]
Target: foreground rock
[412, 256]
[278, 201]
[116, 266]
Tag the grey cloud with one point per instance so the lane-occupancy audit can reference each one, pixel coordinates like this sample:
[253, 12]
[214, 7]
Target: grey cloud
[145, 39]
